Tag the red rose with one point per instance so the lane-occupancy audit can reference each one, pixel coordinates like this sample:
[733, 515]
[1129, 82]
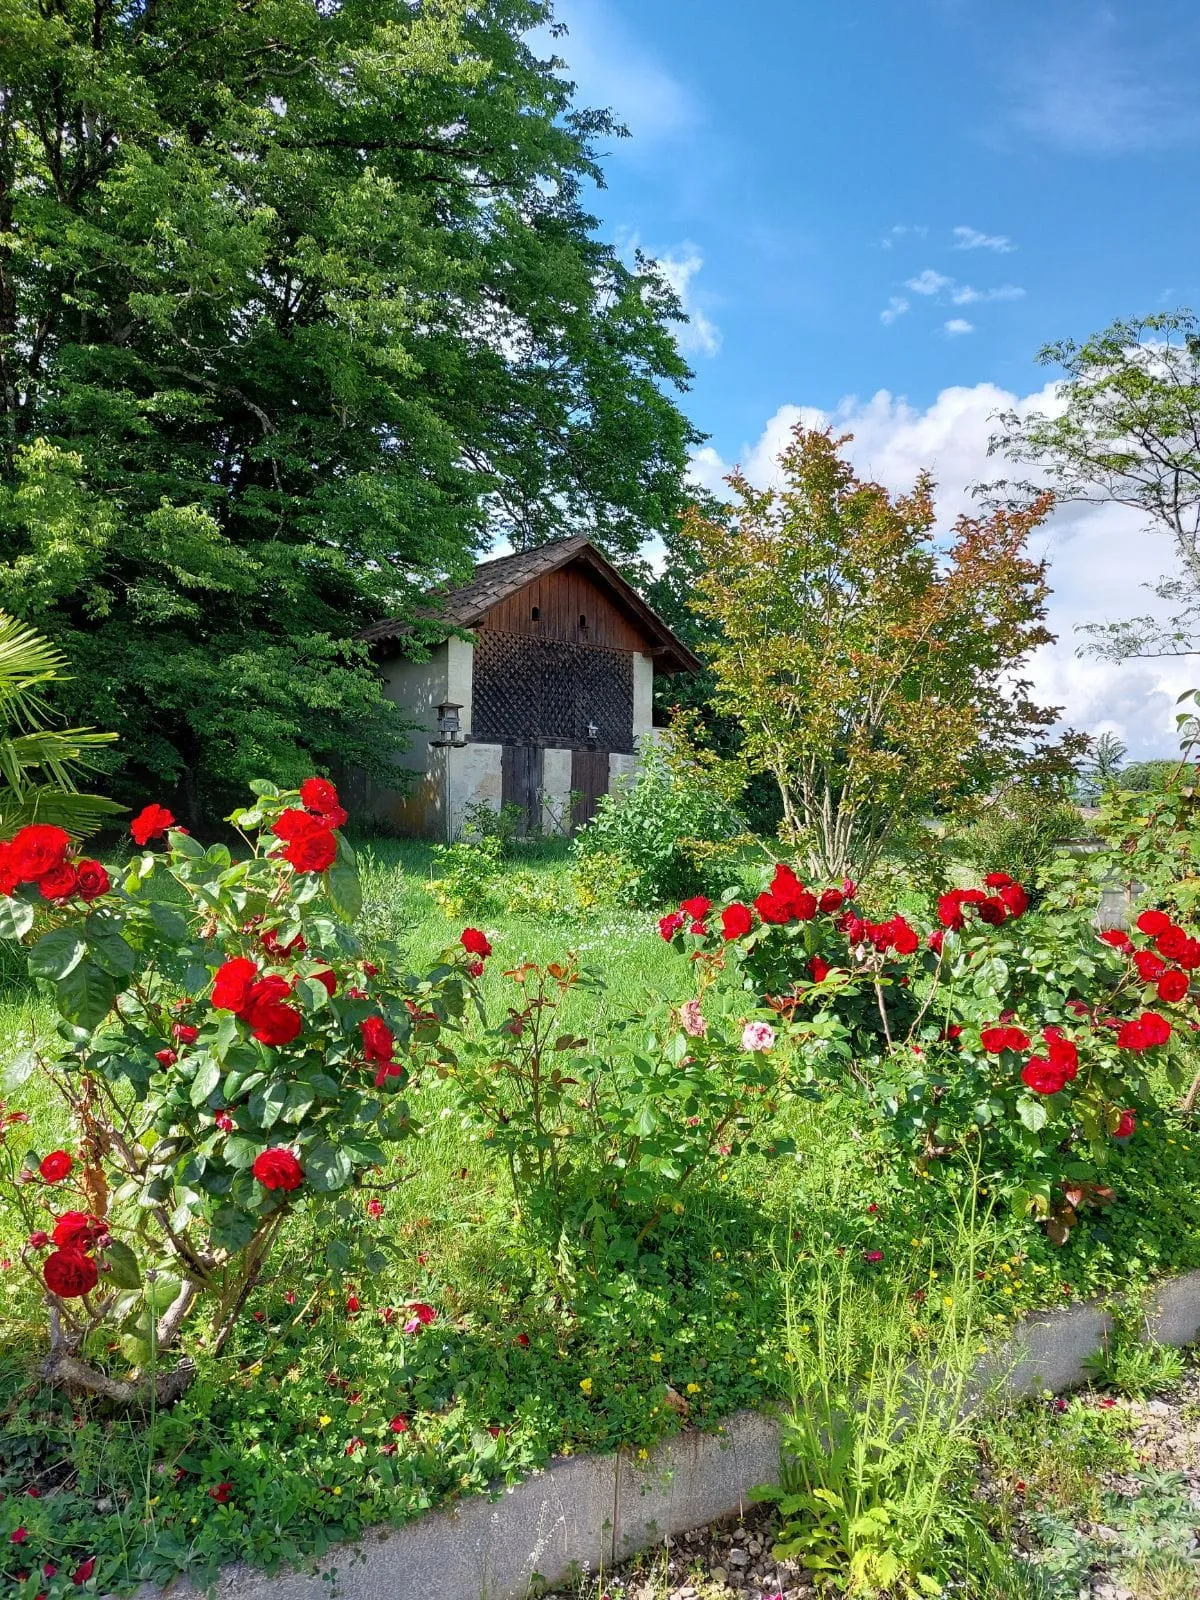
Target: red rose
[83, 1571]
[1062, 1051]
[736, 921]
[1042, 1076]
[278, 1169]
[1172, 943]
[328, 978]
[475, 943]
[422, 1313]
[819, 970]
[1015, 898]
[952, 1031]
[993, 911]
[165, 1058]
[1153, 922]
[389, 1070]
[294, 824]
[151, 821]
[772, 910]
[1189, 956]
[271, 1021]
[995, 1039]
[1150, 967]
[36, 850]
[76, 1230]
[316, 852]
[697, 907]
[936, 940]
[184, 1032]
[92, 880]
[318, 794]
[400, 1424]
[1117, 937]
[379, 1044]
[670, 925]
[223, 1121]
[1144, 1032]
[475, 968]
[271, 944]
[1126, 1123]
[69, 1274]
[231, 988]
[60, 883]
[903, 939]
[56, 1166]
[949, 910]
[221, 1493]
[1173, 987]
[19, 1536]
[831, 900]
[38, 1239]
[998, 880]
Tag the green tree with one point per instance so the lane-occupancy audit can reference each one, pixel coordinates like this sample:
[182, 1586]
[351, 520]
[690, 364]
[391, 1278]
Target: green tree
[41, 765]
[299, 307]
[1128, 433]
[877, 675]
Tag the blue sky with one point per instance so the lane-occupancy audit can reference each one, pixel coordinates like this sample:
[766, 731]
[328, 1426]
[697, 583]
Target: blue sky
[878, 210]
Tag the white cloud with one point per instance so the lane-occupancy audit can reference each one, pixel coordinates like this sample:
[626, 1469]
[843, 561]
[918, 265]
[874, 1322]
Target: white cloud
[611, 67]
[896, 307]
[972, 239]
[956, 326]
[699, 335]
[929, 282]
[901, 231]
[1099, 555]
[963, 295]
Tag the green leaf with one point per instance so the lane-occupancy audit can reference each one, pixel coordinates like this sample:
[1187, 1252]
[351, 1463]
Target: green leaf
[170, 923]
[1033, 1114]
[311, 994]
[20, 1068]
[299, 1097]
[85, 996]
[109, 947]
[123, 1265]
[239, 1081]
[57, 953]
[16, 917]
[345, 891]
[267, 1103]
[208, 1076]
[240, 1152]
[326, 1167]
[232, 1229]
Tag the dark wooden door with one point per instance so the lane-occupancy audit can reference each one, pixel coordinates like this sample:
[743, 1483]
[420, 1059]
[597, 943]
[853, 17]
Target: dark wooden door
[589, 776]
[521, 782]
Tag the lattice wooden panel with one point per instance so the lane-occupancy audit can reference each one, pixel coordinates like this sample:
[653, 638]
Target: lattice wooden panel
[526, 688]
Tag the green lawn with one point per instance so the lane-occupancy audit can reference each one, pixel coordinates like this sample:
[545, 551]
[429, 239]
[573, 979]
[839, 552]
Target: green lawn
[296, 1415]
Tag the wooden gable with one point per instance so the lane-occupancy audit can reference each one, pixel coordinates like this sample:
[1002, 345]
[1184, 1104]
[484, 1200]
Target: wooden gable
[568, 605]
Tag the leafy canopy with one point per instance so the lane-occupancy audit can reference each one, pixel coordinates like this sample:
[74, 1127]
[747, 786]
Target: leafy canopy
[299, 307]
[878, 677]
[1128, 432]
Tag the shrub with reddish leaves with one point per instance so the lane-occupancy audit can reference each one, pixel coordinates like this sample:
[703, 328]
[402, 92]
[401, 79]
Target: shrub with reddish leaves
[231, 1056]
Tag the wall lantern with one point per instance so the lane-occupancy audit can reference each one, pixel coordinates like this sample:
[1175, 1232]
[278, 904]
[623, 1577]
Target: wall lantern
[593, 732]
[449, 727]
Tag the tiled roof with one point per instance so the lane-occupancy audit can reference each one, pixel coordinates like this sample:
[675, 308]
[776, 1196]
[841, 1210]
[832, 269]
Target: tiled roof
[496, 580]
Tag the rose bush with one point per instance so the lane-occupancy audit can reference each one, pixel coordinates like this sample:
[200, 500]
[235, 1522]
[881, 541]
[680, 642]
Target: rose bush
[227, 1055]
[601, 1135]
[1026, 1040]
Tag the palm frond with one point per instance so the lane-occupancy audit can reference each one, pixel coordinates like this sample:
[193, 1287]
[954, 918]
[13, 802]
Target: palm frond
[26, 660]
[79, 814]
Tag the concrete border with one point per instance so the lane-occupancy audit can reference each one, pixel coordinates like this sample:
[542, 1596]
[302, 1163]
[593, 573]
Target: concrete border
[586, 1512]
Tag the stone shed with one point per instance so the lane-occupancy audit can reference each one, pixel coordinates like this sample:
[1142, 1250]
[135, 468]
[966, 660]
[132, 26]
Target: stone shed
[549, 693]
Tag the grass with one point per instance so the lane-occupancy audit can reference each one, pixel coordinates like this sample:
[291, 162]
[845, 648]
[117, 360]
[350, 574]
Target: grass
[296, 1416]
